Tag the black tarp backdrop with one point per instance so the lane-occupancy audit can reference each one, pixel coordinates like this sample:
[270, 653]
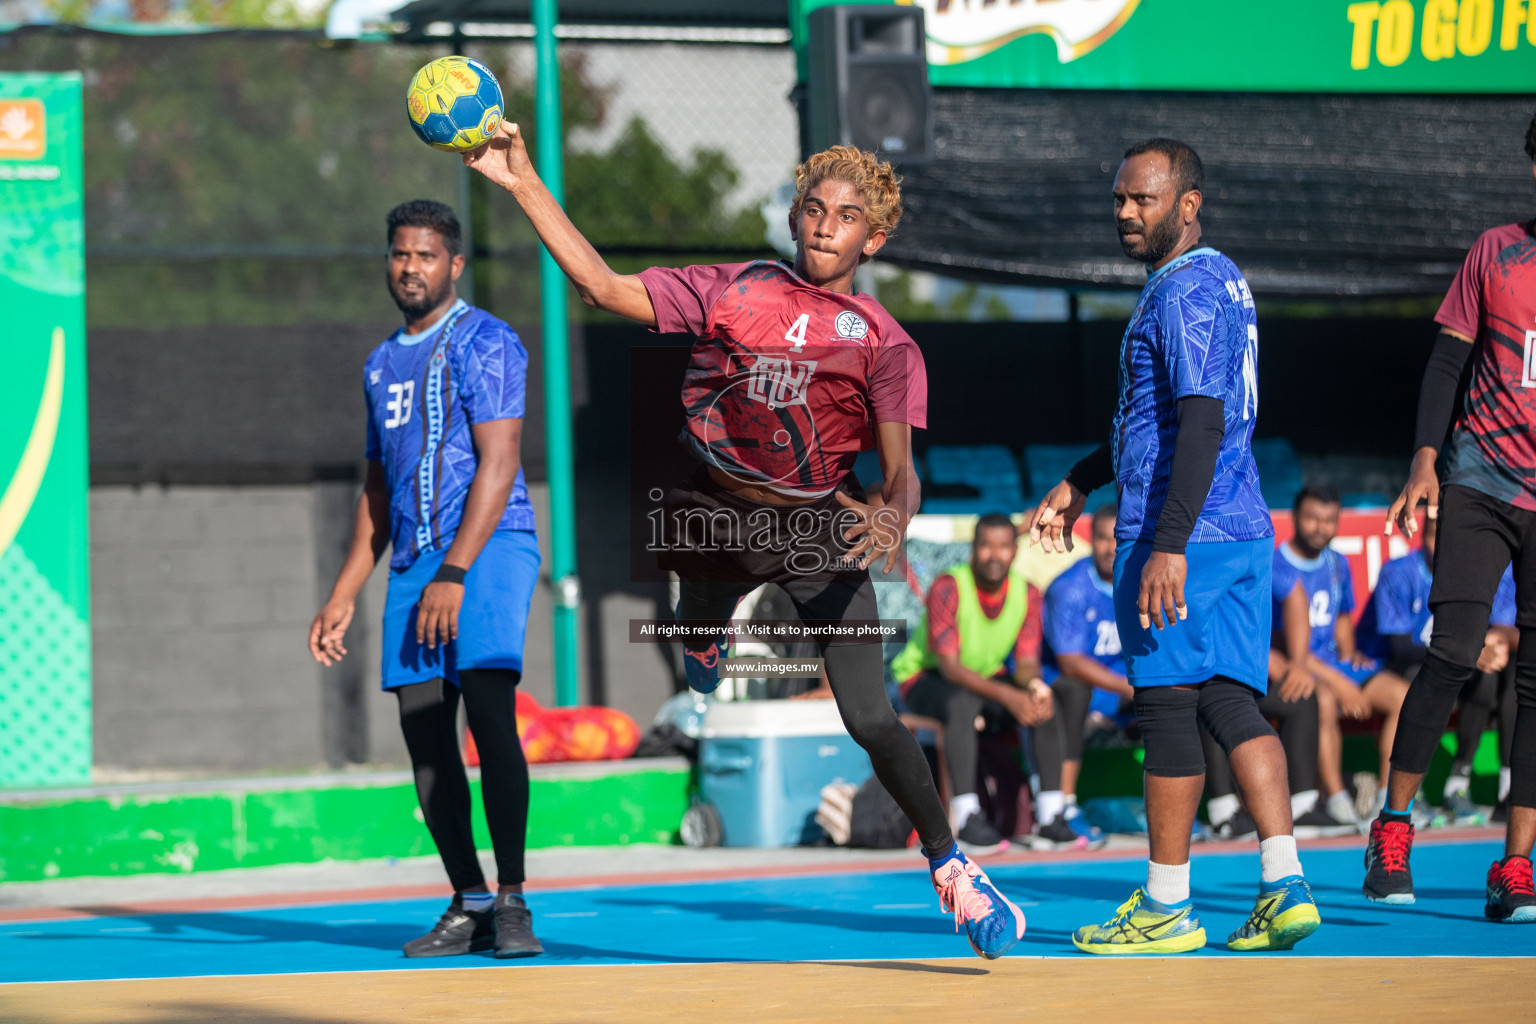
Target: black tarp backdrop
[1324, 195]
[262, 406]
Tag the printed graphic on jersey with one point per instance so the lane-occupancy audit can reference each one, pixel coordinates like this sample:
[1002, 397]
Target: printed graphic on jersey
[1193, 334]
[1493, 446]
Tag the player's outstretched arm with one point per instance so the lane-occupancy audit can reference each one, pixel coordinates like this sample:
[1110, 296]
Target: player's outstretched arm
[1437, 404]
[370, 535]
[1050, 523]
[504, 160]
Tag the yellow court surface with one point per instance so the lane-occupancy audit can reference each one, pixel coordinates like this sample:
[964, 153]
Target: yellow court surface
[1279, 988]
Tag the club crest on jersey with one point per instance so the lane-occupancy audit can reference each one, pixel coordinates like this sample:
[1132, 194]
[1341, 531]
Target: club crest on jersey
[779, 382]
[958, 32]
[851, 325]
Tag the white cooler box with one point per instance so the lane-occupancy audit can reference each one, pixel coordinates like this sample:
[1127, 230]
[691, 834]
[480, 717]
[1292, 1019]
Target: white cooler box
[762, 765]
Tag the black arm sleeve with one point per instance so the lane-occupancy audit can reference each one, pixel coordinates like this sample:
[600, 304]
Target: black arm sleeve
[1093, 471]
[1437, 395]
[1405, 649]
[1202, 424]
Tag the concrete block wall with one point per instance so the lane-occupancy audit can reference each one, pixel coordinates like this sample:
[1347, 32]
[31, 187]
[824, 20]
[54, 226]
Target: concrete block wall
[202, 598]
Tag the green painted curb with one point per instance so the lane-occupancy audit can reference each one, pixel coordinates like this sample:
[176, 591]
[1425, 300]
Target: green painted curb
[209, 830]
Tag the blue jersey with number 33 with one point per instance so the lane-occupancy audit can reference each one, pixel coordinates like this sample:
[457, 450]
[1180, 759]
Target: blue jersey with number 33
[1194, 333]
[424, 393]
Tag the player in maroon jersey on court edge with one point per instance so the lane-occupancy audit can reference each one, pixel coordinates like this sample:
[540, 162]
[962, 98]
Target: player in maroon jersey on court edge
[1487, 519]
[792, 375]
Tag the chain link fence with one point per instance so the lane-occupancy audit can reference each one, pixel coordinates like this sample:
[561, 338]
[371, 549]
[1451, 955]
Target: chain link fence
[243, 178]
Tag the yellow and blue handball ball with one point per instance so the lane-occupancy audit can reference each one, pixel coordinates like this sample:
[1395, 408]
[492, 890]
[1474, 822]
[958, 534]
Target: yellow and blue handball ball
[454, 104]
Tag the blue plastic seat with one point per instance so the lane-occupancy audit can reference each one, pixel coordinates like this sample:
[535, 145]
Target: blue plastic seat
[1049, 463]
[989, 470]
[1279, 471]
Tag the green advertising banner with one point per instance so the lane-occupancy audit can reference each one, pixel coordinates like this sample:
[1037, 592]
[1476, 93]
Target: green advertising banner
[1413, 46]
[45, 636]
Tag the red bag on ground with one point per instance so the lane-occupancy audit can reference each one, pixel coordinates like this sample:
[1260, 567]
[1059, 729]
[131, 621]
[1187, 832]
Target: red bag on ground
[567, 734]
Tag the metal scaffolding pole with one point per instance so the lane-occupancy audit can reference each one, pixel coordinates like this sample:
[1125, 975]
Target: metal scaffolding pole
[557, 373]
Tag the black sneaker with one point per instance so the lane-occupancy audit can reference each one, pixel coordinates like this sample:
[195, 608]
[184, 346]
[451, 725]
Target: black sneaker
[1058, 835]
[458, 931]
[1511, 897]
[979, 837]
[1240, 826]
[1388, 878]
[1318, 822]
[514, 928]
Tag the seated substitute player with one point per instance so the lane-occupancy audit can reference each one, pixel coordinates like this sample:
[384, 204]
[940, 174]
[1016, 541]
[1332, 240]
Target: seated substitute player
[1191, 524]
[1081, 654]
[1395, 628]
[953, 669]
[792, 374]
[1349, 684]
[1291, 701]
[1487, 521]
[445, 489]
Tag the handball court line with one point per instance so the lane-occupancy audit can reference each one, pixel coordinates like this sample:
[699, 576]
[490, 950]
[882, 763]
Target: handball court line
[842, 865]
[850, 917]
[1218, 990]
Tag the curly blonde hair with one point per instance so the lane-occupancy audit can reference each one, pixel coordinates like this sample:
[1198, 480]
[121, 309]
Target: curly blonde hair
[874, 179]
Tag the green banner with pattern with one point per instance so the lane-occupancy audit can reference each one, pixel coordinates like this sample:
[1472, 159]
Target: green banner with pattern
[45, 634]
[1421, 46]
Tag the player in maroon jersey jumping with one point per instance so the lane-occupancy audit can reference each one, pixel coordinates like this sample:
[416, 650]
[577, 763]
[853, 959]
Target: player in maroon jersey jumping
[1487, 518]
[793, 374]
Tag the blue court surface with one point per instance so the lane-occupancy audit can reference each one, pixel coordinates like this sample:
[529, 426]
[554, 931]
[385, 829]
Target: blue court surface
[887, 915]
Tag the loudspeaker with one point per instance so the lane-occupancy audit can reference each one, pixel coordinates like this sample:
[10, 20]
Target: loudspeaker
[867, 81]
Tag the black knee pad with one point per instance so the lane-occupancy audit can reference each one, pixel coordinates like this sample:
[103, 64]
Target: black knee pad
[1170, 731]
[1460, 627]
[1230, 712]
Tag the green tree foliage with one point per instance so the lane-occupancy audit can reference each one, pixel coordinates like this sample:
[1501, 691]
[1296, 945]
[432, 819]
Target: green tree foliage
[635, 194]
[245, 179]
[222, 13]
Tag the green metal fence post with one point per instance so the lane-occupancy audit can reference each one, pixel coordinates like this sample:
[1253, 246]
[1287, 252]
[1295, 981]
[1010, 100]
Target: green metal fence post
[557, 373]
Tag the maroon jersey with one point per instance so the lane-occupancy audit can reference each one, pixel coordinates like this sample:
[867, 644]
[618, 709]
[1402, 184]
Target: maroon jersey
[786, 379]
[1493, 300]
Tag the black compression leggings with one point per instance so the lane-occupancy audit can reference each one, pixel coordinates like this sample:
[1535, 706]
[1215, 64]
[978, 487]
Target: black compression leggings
[429, 716]
[856, 673]
[1061, 739]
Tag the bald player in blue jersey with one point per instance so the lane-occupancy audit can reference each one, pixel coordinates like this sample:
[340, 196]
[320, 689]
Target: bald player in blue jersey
[1192, 565]
[445, 491]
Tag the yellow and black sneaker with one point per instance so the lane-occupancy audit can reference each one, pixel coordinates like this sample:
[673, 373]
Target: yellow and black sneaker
[1143, 925]
[1284, 914]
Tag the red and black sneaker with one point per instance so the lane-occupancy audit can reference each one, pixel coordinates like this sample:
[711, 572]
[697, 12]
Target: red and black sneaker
[1511, 897]
[1387, 877]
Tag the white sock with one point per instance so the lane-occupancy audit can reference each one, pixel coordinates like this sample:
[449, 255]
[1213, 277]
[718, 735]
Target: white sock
[961, 807]
[1070, 798]
[1277, 858]
[1168, 883]
[1341, 807]
[1503, 783]
[1050, 805]
[1221, 808]
[1457, 783]
[1303, 802]
[477, 901]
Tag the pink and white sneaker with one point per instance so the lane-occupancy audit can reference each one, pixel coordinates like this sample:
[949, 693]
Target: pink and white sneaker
[993, 924]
